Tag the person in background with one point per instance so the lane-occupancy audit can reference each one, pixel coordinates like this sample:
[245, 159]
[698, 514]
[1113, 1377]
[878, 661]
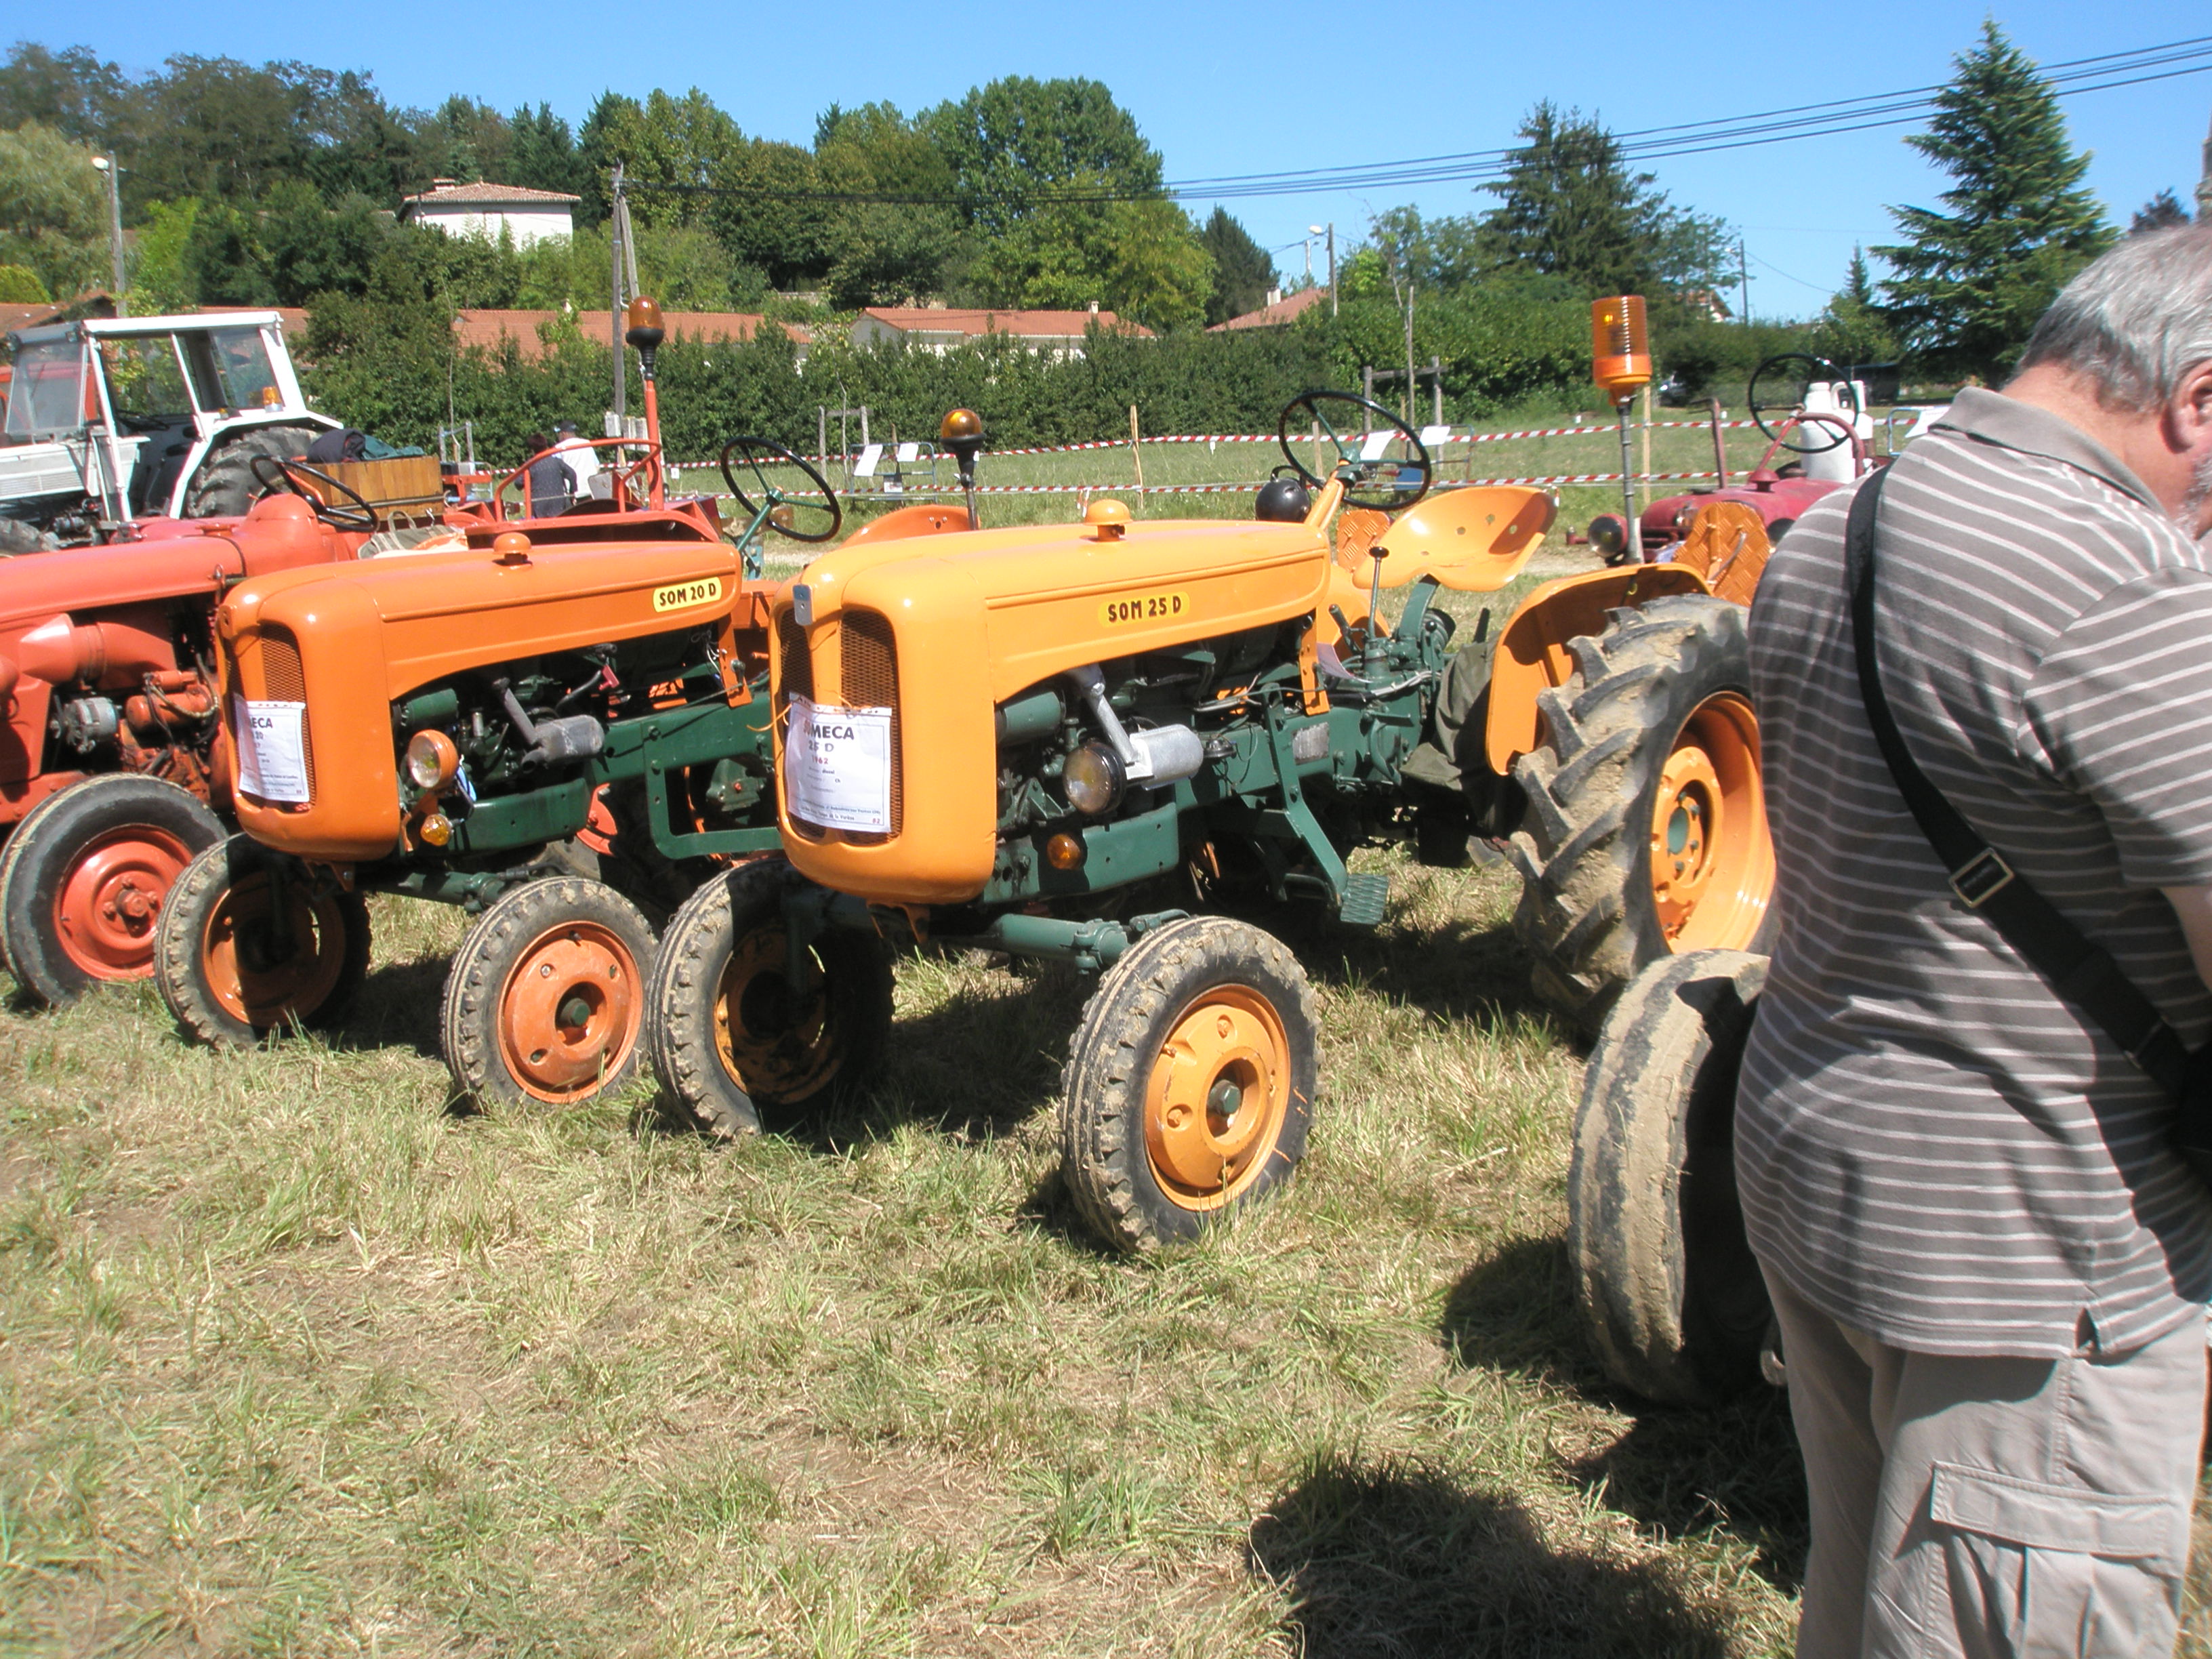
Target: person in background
[551, 485]
[1989, 1264]
[582, 459]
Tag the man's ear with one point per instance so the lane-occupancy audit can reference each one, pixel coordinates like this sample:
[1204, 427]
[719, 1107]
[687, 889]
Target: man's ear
[2189, 412]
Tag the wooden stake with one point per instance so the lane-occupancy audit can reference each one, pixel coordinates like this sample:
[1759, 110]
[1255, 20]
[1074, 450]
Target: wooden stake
[1137, 456]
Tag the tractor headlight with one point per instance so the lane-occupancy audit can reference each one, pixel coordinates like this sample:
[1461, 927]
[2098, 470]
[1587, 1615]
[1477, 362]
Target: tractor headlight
[432, 761]
[1094, 778]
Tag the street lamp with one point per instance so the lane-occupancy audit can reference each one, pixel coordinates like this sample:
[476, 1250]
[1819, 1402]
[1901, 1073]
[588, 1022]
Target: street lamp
[107, 165]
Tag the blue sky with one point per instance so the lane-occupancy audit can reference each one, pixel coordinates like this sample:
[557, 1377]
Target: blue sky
[1224, 89]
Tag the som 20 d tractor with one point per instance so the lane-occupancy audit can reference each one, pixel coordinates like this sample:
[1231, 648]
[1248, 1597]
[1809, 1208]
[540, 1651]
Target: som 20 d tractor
[1072, 742]
[593, 684]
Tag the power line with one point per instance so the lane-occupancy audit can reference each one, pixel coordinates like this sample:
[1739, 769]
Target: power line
[2072, 78]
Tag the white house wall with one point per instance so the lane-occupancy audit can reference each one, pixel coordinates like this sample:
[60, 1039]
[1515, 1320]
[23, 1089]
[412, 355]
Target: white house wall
[527, 226]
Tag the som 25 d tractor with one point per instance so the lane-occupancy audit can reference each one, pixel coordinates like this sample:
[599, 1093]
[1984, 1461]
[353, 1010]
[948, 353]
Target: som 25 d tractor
[432, 727]
[1064, 742]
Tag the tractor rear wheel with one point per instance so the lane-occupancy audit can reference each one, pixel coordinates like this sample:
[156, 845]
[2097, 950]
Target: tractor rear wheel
[546, 999]
[731, 1033]
[224, 486]
[228, 976]
[85, 877]
[1190, 1084]
[1667, 1285]
[1644, 828]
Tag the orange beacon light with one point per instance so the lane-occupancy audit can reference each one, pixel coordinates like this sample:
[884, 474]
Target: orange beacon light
[1620, 353]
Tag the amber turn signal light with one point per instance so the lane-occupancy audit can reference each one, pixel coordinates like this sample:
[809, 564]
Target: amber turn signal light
[1620, 354]
[1064, 852]
[434, 830]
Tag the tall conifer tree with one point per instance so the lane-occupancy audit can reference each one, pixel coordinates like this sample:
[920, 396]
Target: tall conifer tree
[1969, 284]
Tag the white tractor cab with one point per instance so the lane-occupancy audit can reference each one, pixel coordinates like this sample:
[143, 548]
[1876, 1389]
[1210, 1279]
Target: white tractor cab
[114, 421]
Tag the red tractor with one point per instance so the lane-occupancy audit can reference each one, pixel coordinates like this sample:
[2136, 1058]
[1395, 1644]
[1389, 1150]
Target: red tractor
[1809, 411]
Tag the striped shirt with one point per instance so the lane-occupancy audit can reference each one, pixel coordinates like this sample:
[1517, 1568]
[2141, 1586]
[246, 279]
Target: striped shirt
[1931, 1145]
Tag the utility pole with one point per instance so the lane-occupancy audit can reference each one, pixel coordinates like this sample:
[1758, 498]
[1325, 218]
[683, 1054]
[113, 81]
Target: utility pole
[1332, 268]
[107, 166]
[617, 236]
[1312, 231]
[1743, 265]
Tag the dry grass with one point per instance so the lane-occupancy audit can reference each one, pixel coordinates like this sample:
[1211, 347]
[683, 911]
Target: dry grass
[295, 1359]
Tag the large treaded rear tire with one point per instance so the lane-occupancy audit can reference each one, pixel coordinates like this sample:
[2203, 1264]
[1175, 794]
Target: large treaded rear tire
[1590, 913]
[1668, 1288]
[225, 486]
[1201, 1004]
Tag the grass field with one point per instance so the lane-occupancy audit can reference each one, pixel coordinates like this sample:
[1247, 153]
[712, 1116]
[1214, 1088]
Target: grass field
[295, 1358]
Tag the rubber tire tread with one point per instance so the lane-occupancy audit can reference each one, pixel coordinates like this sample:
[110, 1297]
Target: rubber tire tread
[224, 486]
[1667, 1288]
[177, 965]
[468, 1013]
[8, 859]
[686, 977]
[1104, 1163]
[48, 841]
[1587, 915]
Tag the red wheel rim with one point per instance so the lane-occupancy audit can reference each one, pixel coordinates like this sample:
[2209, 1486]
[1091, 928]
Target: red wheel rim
[111, 898]
[569, 1012]
[241, 974]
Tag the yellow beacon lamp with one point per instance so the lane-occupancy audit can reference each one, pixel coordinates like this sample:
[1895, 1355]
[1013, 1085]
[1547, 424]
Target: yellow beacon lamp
[1620, 362]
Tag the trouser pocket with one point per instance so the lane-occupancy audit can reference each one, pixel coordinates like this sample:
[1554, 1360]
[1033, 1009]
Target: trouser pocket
[2025, 1569]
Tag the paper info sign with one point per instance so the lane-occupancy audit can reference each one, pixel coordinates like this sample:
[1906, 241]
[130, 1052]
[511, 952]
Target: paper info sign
[272, 750]
[837, 766]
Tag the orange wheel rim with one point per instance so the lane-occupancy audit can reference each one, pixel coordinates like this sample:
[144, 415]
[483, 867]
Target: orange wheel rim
[1216, 1098]
[111, 897]
[1712, 861]
[245, 975]
[569, 1012]
[775, 1041]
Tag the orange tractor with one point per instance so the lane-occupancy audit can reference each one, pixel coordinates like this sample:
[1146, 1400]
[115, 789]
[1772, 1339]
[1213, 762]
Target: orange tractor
[561, 727]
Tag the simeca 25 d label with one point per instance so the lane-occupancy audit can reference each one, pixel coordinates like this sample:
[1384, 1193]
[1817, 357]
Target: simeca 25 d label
[684, 595]
[1144, 608]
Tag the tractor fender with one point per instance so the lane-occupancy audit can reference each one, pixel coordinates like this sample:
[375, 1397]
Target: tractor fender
[1532, 654]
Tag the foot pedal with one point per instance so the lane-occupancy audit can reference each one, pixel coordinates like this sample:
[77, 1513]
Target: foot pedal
[1366, 895]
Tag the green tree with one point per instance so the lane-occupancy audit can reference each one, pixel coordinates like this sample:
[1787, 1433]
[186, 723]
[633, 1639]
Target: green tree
[219, 130]
[768, 221]
[542, 152]
[20, 286]
[74, 91]
[225, 259]
[888, 251]
[162, 278]
[1243, 271]
[1853, 330]
[1971, 283]
[467, 140]
[1018, 141]
[312, 249]
[2161, 212]
[1572, 209]
[661, 143]
[54, 209]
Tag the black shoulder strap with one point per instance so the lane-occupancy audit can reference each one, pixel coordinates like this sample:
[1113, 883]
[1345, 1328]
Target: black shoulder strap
[2080, 970]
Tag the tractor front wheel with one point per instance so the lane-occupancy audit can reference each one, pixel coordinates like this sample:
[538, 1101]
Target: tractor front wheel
[738, 1025]
[230, 973]
[86, 875]
[546, 999]
[1190, 1084]
[1645, 829]
[1667, 1285]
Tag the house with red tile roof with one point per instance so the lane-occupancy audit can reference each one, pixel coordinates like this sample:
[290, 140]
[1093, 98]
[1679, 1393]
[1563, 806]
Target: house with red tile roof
[1279, 311]
[938, 328]
[528, 216]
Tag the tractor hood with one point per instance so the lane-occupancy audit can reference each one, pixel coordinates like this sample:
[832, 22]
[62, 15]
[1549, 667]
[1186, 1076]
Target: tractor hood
[1056, 597]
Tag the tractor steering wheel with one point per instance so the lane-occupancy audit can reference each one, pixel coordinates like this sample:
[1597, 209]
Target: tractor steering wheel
[1783, 383]
[751, 458]
[1380, 483]
[359, 516]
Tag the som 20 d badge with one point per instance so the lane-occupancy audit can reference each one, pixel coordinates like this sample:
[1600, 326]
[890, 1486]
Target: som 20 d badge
[683, 595]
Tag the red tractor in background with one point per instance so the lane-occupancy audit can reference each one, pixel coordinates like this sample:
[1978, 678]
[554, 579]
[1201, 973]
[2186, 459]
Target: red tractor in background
[1810, 412]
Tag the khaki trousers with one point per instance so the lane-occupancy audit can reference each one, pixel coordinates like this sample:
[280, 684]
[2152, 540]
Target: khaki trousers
[1991, 1508]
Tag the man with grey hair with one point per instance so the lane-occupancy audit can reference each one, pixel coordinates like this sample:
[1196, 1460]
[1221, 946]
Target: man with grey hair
[1989, 1266]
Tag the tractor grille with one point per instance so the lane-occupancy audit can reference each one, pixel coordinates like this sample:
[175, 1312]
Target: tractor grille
[791, 648]
[283, 680]
[872, 682]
